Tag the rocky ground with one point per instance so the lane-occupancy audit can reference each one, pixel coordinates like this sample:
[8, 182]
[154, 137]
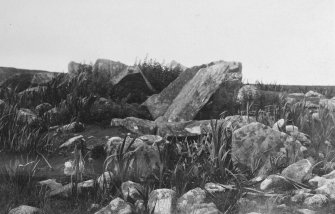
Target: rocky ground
[179, 140]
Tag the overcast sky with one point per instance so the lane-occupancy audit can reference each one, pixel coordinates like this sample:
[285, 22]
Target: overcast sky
[282, 41]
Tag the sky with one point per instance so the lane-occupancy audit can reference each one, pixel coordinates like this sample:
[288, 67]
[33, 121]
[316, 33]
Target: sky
[277, 41]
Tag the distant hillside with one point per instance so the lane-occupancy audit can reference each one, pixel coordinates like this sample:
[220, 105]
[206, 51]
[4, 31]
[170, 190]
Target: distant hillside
[23, 78]
[327, 90]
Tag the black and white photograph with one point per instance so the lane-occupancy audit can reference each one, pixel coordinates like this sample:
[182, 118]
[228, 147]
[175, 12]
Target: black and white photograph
[167, 107]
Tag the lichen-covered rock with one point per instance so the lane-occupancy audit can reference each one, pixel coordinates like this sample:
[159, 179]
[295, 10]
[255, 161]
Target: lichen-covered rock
[317, 200]
[298, 171]
[255, 144]
[162, 201]
[116, 206]
[276, 182]
[24, 209]
[132, 190]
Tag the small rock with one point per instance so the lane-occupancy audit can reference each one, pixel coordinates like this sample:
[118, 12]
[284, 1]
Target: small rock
[204, 208]
[70, 142]
[298, 171]
[330, 175]
[317, 200]
[132, 190]
[42, 108]
[24, 209]
[291, 128]
[151, 139]
[306, 211]
[74, 127]
[162, 201]
[279, 125]
[275, 182]
[116, 206]
[317, 181]
[139, 206]
[328, 188]
[300, 195]
[313, 94]
[186, 202]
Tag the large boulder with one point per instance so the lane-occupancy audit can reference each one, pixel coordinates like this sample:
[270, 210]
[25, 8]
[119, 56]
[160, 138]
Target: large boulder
[183, 99]
[255, 145]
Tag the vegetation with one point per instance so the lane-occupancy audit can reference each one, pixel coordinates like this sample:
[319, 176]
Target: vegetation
[184, 164]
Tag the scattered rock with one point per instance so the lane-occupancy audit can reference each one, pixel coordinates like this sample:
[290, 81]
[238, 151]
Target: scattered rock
[26, 116]
[116, 206]
[42, 108]
[113, 70]
[238, 121]
[255, 143]
[204, 208]
[151, 139]
[51, 185]
[162, 201]
[247, 93]
[313, 94]
[70, 142]
[42, 78]
[291, 128]
[276, 182]
[317, 200]
[317, 181]
[74, 68]
[24, 209]
[279, 125]
[328, 188]
[300, 195]
[306, 211]
[73, 127]
[135, 125]
[132, 190]
[186, 203]
[298, 171]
